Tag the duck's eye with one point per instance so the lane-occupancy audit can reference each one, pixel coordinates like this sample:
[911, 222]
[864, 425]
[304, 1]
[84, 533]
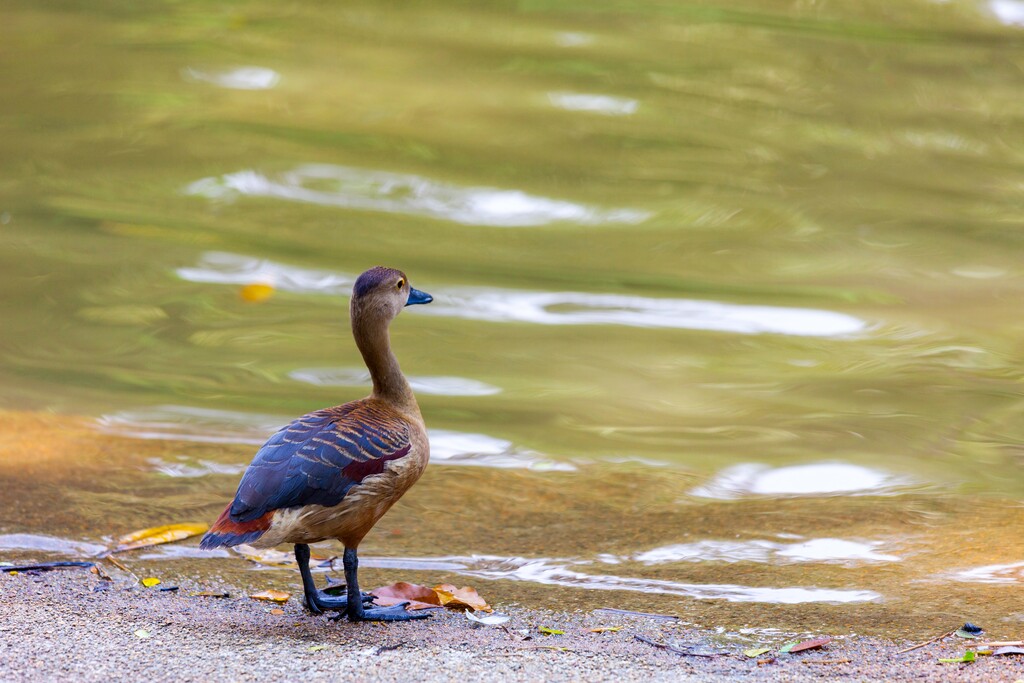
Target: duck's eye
[400, 284]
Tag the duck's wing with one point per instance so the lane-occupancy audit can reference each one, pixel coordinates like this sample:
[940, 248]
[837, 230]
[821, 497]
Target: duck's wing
[316, 459]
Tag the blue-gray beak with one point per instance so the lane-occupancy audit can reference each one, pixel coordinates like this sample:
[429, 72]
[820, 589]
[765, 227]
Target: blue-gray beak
[418, 297]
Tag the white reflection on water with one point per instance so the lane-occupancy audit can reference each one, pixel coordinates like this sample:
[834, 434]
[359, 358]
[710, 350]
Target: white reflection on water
[231, 269]
[579, 308]
[1009, 12]
[184, 423]
[573, 39]
[598, 104]
[545, 308]
[559, 572]
[187, 468]
[353, 377]
[49, 544]
[832, 550]
[461, 448]
[355, 188]
[993, 573]
[796, 480]
[242, 78]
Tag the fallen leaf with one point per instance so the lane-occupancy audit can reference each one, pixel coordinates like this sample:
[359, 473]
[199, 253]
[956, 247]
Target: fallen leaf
[604, 629]
[268, 557]
[210, 594]
[150, 581]
[756, 652]
[167, 589]
[157, 535]
[142, 633]
[1008, 651]
[788, 646]
[488, 619]
[277, 611]
[969, 656]
[271, 596]
[811, 644]
[316, 648]
[418, 597]
[450, 596]
[547, 630]
[256, 293]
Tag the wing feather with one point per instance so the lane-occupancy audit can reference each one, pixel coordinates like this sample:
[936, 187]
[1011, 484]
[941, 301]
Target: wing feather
[316, 459]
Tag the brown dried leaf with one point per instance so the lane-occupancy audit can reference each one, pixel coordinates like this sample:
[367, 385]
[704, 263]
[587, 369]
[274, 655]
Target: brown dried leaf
[418, 597]
[271, 596]
[450, 596]
[812, 644]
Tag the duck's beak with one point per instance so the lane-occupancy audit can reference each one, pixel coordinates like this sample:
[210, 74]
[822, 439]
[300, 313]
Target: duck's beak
[418, 297]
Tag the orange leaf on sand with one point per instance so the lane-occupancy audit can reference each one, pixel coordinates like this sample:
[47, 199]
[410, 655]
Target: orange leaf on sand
[271, 596]
[450, 596]
[418, 597]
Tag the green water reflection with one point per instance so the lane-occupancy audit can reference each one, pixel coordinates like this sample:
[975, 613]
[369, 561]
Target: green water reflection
[715, 241]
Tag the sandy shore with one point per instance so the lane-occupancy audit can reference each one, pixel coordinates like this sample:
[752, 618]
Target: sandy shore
[59, 626]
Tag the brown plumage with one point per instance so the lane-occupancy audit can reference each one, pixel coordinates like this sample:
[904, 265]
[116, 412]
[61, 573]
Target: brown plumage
[333, 473]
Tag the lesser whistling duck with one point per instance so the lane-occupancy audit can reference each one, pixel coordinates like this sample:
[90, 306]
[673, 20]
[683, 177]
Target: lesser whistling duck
[334, 472]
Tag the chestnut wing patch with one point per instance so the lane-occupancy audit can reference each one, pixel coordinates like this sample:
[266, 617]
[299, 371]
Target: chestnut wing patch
[316, 459]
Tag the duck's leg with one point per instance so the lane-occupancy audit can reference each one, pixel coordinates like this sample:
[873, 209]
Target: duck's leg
[356, 611]
[316, 600]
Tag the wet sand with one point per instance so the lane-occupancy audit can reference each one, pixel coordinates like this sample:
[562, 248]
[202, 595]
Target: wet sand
[60, 626]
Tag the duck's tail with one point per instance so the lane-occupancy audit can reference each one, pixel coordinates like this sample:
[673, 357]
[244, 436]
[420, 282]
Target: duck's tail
[227, 532]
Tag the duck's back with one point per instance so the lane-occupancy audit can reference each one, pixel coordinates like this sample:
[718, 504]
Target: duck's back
[329, 474]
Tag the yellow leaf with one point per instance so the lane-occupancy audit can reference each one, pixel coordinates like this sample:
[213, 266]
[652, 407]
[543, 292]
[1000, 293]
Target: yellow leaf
[256, 293]
[602, 629]
[150, 581]
[271, 596]
[157, 535]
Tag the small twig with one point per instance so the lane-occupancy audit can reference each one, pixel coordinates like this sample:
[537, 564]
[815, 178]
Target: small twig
[514, 635]
[825, 661]
[46, 566]
[996, 643]
[672, 648]
[117, 563]
[386, 648]
[927, 642]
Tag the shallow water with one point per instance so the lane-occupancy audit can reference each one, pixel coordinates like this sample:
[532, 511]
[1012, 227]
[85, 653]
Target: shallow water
[727, 297]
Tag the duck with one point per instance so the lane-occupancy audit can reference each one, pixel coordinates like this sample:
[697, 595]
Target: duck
[333, 473]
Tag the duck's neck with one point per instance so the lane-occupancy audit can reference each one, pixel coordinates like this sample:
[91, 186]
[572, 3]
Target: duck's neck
[374, 343]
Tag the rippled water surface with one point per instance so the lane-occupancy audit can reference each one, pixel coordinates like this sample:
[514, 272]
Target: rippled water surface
[728, 296]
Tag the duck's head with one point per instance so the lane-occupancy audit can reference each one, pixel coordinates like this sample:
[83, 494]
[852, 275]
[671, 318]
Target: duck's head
[383, 292]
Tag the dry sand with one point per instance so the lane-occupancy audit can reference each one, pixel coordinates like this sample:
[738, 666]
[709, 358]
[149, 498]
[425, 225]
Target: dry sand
[59, 626]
